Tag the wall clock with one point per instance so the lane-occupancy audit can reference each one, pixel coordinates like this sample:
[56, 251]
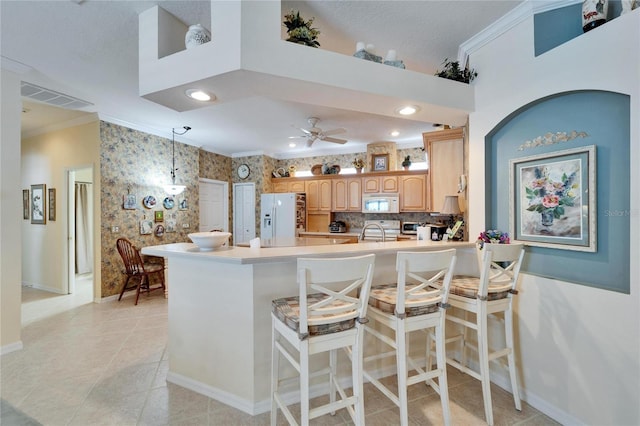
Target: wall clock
[243, 171]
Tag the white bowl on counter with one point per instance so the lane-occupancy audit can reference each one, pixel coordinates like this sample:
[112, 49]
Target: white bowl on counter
[209, 240]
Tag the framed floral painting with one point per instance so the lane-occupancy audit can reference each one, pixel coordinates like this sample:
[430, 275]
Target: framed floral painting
[552, 199]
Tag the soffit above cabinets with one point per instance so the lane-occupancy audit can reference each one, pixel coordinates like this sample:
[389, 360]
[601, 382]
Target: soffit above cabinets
[247, 58]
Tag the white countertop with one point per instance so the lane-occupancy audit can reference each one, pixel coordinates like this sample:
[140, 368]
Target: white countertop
[246, 255]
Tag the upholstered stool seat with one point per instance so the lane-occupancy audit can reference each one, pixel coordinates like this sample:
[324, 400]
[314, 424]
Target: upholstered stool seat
[287, 310]
[384, 296]
[469, 287]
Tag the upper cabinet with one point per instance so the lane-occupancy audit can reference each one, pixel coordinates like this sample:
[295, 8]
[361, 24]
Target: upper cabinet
[445, 150]
[318, 195]
[413, 193]
[379, 184]
[346, 195]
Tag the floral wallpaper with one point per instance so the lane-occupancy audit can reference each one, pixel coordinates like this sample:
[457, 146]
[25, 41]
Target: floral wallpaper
[345, 160]
[138, 164]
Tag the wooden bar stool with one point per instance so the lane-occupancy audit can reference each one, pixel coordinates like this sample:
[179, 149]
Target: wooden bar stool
[416, 303]
[328, 314]
[490, 294]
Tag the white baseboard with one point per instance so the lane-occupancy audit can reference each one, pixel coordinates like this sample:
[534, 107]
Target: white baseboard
[43, 288]
[11, 347]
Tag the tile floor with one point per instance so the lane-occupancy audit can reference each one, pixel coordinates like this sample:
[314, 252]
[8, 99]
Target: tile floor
[105, 364]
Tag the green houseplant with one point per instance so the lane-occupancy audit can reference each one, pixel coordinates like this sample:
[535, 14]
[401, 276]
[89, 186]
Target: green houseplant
[299, 30]
[452, 71]
[407, 162]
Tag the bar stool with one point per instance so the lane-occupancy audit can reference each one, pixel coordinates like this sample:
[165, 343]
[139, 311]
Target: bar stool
[490, 294]
[416, 303]
[328, 314]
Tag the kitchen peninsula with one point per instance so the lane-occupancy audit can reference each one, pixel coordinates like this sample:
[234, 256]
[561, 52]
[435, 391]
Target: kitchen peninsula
[220, 304]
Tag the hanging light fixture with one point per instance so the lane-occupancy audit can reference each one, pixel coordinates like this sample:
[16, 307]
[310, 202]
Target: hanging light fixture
[174, 189]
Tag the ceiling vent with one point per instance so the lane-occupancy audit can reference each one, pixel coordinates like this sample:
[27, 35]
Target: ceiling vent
[51, 97]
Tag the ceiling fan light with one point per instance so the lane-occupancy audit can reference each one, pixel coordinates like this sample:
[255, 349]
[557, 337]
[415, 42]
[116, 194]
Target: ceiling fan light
[395, 133]
[200, 95]
[408, 110]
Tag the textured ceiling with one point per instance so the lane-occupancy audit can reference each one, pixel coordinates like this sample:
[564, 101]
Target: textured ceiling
[90, 51]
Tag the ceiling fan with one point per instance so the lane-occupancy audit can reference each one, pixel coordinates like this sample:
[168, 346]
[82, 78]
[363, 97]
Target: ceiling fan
[316, 133]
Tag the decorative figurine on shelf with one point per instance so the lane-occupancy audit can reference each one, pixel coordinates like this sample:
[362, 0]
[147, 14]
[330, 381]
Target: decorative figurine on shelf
[367, 53]
[299, 31]
[407, 162]
[392, 60]
[196, 35]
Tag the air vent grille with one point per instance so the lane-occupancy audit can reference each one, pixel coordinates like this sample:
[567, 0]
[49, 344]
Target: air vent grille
[51, 97]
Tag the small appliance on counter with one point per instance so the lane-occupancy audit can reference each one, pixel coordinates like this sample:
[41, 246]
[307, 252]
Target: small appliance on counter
[437, 231]
[410, 228]
[337, 226]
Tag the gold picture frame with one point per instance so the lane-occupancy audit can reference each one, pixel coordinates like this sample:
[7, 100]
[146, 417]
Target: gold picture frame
[52, 204]
[25, 204]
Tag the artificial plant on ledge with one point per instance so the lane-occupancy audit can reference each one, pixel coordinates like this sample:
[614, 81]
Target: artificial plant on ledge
[452, 71]
[299, 31]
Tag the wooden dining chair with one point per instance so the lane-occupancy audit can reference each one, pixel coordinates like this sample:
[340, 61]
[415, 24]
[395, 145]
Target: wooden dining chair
[136, 269]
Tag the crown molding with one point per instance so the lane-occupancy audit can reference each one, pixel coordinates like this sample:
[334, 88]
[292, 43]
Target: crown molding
[526, 9]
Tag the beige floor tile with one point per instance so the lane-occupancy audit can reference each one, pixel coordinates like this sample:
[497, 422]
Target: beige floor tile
[106, 364]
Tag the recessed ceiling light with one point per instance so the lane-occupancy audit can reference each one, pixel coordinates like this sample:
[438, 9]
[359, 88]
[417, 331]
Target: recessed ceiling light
[200, 95]
[394, 133]
[292, 144]
[408, 110]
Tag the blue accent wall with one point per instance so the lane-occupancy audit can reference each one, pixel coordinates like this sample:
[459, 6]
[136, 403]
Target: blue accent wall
[605, 116]
[555, 27]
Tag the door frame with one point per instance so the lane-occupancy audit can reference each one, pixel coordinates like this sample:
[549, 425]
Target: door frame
[69, 281]
[225, 190]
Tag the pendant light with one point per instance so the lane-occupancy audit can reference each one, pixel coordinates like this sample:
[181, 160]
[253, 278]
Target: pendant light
[174, 189]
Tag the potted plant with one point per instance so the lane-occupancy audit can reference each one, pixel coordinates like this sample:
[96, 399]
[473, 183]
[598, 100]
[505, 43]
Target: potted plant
[407, 162]
[452, 71]
[359, 164]
[299, 31]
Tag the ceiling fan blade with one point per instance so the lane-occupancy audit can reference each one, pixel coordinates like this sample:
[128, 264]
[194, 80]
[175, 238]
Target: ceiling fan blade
[334, 131]
[298, 137]
[310, 142]
[335, 140]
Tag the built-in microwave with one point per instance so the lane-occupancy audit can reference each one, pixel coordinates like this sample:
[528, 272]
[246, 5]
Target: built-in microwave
[381, 203]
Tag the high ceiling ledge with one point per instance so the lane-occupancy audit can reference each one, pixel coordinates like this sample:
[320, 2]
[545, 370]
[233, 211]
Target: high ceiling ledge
[247, 58]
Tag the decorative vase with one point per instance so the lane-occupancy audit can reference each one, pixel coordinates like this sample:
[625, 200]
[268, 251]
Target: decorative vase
[594, 13]
[196, 35]
[359, 170]
[547, 218]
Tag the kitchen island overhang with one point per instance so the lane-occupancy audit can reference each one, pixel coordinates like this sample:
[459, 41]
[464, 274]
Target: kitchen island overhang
[220, 310]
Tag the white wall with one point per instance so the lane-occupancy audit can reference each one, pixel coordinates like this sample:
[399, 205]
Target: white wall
[10, 214]
[47, 158]
[579, 349]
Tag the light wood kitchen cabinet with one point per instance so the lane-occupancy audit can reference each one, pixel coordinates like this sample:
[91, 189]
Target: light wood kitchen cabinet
[318, 195]
[379, 184]
[346, 195]
[289, 186]
[445, 150]
[413, 193]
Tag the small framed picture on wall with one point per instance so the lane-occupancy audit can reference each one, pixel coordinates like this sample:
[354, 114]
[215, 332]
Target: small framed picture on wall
[38, 204]
[52, 204]
[25, 204]
[380, 162]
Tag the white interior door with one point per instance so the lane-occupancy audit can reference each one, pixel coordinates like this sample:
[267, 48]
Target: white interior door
[244, 212]
[214, 205]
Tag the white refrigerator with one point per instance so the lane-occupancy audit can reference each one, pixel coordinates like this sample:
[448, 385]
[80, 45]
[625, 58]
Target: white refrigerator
[282, 215]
